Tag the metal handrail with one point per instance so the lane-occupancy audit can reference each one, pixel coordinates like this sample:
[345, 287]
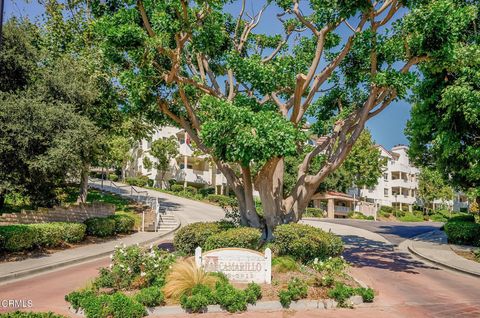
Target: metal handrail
[148, 200]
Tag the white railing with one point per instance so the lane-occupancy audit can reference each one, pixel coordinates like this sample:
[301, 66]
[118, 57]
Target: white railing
[132, 193]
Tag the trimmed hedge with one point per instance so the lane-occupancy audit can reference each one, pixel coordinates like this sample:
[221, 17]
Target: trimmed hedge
[314, 212]
[305, 242]
[222, 200]
[460, 232]
[189, 237]
[18, 237]
[124, 224]
[101, 227]
[21, 237]
[463, 218]
[176, 187]
[244, 237]
[58, 233]
[206, 191]
[139, 181]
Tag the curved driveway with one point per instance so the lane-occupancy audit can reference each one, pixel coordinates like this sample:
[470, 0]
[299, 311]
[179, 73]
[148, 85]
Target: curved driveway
[405, 286]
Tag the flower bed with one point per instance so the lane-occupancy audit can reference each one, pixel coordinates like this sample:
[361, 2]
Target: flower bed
[141, 278]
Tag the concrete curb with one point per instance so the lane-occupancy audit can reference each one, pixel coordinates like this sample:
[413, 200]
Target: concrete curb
[34, 271]
[269, 305]
[408, 244]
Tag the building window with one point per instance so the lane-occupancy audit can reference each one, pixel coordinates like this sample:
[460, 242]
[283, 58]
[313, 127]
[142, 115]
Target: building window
[181, 140]
[182, 166]
[385, 177]
[385, 192]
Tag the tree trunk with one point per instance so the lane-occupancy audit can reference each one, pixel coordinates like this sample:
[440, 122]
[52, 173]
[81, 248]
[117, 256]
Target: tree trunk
[269, 184]
[123, 173]
[249, 214]
[82, 196]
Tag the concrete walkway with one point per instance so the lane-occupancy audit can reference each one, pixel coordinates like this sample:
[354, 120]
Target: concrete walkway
[433, 247]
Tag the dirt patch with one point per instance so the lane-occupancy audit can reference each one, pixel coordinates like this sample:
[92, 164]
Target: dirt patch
[468, 255]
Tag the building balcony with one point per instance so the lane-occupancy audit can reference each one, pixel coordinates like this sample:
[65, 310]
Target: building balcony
[193, 176]
[402, 183]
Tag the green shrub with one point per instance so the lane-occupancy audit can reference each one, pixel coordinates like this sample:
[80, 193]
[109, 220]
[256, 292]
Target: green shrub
[342, 292]
[222, 200]
[23, 314]
[230, 298]
[305, 242]
[283, 264]
[2, 242]
[139, 181]
[206, 191]
[18, 237]
[189, 237]
[101, 227]
[121, 306]
[123, 223]
[113, 177]
[253, 293]
[116, 305]
[438, 217]
[463, 218]
[150, 296]
[201, 296]
[332, 266]
[410, 217]
[313, 212]
[367, 294]
[191, 190]
[48, 234]
[244, 237]
[176, 187]
[459, 232]
[296, 290]
[74, 232]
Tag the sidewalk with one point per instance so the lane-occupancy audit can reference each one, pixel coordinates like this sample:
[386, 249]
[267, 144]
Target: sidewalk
[14, 270]
[433, 247]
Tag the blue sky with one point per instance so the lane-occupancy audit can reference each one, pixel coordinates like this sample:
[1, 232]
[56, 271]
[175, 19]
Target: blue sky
[387, 128]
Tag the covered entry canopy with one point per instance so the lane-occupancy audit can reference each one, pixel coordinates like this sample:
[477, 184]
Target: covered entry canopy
[338, 204]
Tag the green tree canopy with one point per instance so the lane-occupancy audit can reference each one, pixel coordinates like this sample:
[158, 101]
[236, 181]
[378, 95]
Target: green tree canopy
[163, 150]
[244, 96]
[40, 146]
[444, 129]
[432, 187]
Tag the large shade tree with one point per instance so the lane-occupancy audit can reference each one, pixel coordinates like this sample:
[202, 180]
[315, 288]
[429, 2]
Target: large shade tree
[243, 96]
[444, 130]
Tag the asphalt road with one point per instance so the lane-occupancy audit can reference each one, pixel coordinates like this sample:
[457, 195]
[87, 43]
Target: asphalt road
[394, 232]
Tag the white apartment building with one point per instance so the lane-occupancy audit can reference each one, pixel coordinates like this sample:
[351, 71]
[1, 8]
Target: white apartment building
[188, 167]
[398, 186]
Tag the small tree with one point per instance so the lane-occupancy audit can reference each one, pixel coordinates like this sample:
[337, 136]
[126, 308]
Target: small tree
[164, 150]
[432, 187]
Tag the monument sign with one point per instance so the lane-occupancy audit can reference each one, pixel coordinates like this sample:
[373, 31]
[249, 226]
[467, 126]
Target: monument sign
[238, 264]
